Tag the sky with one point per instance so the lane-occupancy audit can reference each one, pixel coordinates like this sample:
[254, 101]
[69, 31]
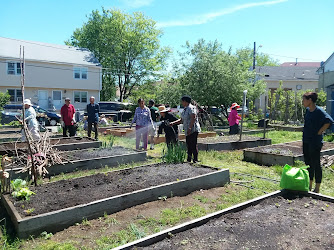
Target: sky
[286, 29]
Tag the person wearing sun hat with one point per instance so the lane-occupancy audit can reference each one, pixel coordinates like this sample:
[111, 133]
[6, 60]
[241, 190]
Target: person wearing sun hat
[233, 119]
[171, 133]
[31, 121]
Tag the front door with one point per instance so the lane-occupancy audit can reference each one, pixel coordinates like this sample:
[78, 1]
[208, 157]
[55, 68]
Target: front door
[56, 98]
[43, 99]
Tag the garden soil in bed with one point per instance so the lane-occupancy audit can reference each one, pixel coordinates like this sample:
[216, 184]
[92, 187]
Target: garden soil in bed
[275, 223]
[95, 153]
[68, 193]
[10, 146]
[289, 149]
[226, 138]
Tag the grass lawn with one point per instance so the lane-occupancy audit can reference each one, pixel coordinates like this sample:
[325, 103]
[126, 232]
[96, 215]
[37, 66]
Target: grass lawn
[111, 231]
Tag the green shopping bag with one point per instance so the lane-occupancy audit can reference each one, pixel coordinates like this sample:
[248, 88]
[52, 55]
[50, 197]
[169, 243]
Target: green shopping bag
[295, 178]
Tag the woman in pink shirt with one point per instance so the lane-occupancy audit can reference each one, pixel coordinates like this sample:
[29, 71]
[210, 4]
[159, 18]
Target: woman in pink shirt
[233, 119]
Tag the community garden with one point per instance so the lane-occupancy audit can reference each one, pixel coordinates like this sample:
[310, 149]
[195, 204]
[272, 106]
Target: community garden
[108, 204]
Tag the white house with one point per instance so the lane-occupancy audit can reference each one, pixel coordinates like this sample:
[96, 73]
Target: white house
[326, 82]
[52, 73]
[292, 77]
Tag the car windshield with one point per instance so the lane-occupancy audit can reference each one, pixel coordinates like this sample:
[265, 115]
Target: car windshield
[40, 110]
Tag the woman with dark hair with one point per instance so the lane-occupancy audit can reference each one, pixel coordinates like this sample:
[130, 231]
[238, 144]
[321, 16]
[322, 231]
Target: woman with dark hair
[316, 123]
[189, 118]
[143, 121]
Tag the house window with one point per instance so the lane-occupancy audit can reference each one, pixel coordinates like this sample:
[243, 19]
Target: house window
[80, 96]
[14, 68]
[15, 95]
[80, 73]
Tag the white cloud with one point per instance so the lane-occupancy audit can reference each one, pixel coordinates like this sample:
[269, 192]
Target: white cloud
[205, 18]
[137, 3]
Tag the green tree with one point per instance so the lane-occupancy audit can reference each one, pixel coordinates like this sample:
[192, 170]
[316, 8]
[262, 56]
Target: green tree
[214, 77]
[245, 57]
[127, 46]
[4, 99]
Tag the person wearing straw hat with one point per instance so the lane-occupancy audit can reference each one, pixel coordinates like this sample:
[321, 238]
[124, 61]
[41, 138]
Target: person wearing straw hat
[171, 132]
[233, 119]
[31, 121]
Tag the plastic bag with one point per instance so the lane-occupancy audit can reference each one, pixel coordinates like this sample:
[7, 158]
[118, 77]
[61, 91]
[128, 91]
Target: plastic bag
[295, 178]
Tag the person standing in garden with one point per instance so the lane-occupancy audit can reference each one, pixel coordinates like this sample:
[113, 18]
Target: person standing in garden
[171, 132]
[316, 123]
[189, 118]
[30, 119]
[93, 110]
[67, 118]
[155, 116]
[233, 119]
[143, 121]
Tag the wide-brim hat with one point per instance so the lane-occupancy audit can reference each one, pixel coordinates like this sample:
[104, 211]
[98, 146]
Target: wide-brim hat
[27, 102]
[235, 105]
[163, 108]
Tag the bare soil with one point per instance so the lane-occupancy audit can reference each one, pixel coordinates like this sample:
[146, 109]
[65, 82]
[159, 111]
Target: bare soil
[68, 193]
[276, 223]
[226, 138]
[7, 147]
[95, 153]
[288, 149]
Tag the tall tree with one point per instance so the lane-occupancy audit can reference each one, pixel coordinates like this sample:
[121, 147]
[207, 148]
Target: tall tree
[127, 46]
[215, 77]
[245, 57]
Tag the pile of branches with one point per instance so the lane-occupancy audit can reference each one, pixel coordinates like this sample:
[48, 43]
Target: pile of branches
[327, 161]
[42, 156]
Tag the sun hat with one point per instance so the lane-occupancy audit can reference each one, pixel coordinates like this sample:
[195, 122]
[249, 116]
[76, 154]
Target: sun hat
[27, 102]
[235, 105]
[162, 108]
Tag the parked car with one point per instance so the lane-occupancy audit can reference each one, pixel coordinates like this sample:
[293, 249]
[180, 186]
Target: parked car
[117, 110]
[8, 116]
[53, 118]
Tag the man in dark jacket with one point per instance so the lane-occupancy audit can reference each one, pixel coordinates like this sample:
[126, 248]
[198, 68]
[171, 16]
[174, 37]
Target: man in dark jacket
[93, 110]
[171, 132]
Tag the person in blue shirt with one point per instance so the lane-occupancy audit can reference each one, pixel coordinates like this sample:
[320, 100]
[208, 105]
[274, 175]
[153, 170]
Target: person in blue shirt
[316, 123]
[93, 110]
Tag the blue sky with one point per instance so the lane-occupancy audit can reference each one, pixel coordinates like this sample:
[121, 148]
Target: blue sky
[292, 28]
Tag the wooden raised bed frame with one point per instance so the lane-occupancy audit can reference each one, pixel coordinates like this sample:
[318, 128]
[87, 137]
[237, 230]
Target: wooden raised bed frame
[270, 159]
[87, 164]
[149, 240]
[60, 219]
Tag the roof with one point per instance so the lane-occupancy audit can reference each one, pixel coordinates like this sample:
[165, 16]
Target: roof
[301, 64]
[45, 52]
[324, 63]
[277, 73]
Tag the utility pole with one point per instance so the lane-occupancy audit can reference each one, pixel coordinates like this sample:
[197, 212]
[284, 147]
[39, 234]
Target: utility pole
[254, 54]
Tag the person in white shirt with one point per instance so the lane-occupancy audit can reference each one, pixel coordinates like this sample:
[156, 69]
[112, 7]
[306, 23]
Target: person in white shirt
[30, 119]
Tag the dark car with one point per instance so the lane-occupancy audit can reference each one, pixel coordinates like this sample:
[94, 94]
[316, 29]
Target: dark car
[118, 110]
[52, 120]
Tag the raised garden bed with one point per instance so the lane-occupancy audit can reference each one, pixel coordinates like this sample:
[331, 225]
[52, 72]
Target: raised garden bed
[287, 127]
[9, 130]
[63, 144]
[230, 142]
[63, 203]
[281, 154]
[86, 159]
[274, 221]
[8, 137]
[115, 126]
[182, 136]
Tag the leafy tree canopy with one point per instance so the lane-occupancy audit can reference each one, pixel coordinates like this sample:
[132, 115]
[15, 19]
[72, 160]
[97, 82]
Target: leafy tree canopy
[127, 46]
